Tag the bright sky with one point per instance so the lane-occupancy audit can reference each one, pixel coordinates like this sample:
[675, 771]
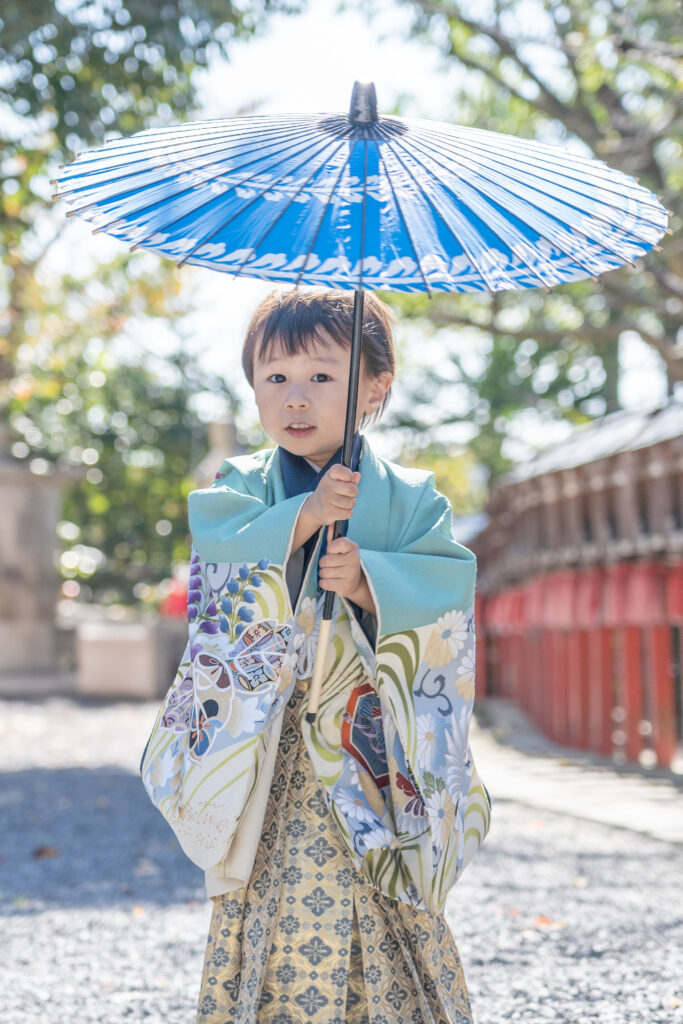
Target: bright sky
[308, 64]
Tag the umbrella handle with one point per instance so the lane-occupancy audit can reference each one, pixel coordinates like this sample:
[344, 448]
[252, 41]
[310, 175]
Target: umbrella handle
[347, 453]
[318, 669]
[323, 642]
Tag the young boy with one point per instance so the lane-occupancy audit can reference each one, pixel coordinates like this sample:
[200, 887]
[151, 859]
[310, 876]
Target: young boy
[356, 826]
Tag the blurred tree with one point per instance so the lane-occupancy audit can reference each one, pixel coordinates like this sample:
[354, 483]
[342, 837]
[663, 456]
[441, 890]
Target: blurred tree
[88, 393]
[74, 73]
[606, 74]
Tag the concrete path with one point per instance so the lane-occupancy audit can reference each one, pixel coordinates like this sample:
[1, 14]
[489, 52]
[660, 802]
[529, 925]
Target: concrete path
[518, 763]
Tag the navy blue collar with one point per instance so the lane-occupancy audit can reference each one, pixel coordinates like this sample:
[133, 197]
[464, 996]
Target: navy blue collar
[299, 476]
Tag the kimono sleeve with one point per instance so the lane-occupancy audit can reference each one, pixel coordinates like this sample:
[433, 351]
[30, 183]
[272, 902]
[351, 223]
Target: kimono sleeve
[428, 573]
[234, 520]
[223, 711]
[423, 668]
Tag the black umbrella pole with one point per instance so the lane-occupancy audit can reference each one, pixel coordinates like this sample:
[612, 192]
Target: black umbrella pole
[347, 454]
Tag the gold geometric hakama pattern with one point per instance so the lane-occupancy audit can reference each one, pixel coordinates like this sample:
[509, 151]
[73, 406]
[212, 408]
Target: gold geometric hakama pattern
[309, 940]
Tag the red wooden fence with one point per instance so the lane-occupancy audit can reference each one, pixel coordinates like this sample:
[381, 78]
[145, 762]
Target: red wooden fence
[593, 656]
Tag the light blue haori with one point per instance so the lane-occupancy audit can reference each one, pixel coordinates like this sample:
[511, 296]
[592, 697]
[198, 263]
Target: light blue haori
[390, 741]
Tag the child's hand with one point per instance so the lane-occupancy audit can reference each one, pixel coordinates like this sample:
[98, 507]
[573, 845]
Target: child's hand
[335, 495]
[340, 568]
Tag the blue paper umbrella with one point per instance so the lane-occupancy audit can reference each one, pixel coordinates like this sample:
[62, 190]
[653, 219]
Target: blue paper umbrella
[361, 202]
[365, 202]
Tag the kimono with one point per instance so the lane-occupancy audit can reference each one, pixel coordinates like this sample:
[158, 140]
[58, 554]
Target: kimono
[383, 783]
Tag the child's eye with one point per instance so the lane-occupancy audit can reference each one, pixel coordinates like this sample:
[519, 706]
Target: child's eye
[281, 377]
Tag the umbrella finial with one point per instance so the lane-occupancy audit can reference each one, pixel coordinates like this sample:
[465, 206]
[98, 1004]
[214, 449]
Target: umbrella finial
[363, 103]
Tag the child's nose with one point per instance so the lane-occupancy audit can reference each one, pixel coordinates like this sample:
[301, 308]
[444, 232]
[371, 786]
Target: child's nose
[297, 400]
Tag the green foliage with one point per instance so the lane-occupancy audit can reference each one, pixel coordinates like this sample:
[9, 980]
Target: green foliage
[82, 399]
[606, 74]
[78, 384]
[86, 68]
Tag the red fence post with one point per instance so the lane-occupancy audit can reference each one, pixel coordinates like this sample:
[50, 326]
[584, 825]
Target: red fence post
[632, 692]
[674, 616]
[589, 673]
[648, 607]
[617, 682]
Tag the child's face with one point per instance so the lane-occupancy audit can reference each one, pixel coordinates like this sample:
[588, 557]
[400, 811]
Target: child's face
[311, 388]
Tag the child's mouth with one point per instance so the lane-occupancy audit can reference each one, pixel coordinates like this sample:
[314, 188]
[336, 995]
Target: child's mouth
[299, 431]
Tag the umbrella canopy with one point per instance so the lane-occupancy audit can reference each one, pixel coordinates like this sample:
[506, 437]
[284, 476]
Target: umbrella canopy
[361, 202]
[365, 202]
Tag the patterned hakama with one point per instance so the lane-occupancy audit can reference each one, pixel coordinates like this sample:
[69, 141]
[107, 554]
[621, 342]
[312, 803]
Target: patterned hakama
[308, 940]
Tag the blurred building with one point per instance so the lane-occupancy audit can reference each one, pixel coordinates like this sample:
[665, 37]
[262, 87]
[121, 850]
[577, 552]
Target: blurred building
[580, 601]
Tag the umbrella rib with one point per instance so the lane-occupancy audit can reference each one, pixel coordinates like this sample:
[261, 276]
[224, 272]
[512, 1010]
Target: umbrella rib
[238, 213]
[470, 138]
[322, 218]
[465, 247]
[403, 221]
[142, 146]
[189, 189]
[590, 166]
[551, 241]
[172, 163]
[281, 214]
[569, 205]
[569, 182]
[141, 162]
[513, 245]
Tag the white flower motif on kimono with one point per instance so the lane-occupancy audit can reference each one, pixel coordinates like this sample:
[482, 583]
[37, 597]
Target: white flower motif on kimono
[465, 681]
[287, 670]
[448, 637]
[353, 806]
[426, 741]
[245, 714]
[353, 772]
[441, 814]
[162, 768]
[378, 837]
[309, 622]
[456, 752]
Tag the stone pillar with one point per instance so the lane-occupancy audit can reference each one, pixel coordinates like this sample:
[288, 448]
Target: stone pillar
[29, 586]
[222, 438]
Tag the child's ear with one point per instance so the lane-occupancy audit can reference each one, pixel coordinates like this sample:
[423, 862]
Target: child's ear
[379, 387]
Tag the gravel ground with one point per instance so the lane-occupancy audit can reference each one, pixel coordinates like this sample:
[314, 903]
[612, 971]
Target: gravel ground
[104, 920]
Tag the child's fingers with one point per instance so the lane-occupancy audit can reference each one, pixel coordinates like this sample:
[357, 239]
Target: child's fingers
[339, 472]
[341, 546]
[343, 488]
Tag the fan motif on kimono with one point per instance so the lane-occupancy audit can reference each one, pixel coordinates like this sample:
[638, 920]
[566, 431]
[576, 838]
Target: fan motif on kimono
[253, 660]
[362, 734]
